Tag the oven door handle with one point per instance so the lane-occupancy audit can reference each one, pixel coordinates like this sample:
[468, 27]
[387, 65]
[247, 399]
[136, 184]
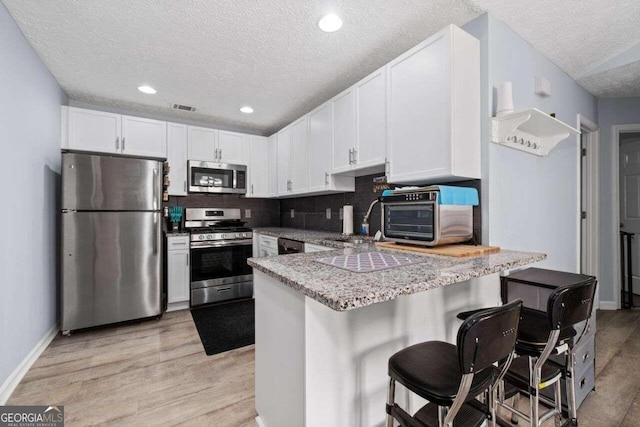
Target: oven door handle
[221, 244]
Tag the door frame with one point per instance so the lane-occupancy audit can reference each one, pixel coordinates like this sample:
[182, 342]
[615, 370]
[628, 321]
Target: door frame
[616, 130]
[592, 204]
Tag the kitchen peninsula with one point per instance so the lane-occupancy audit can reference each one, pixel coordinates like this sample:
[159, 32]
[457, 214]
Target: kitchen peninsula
[324, 334]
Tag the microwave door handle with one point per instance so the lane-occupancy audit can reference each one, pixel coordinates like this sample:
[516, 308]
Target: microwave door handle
[235, 179]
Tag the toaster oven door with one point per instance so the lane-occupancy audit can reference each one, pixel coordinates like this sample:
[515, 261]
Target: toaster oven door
[410, 221]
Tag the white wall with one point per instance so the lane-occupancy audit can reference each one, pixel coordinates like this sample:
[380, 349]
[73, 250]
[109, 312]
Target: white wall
[611, 111]
[530, 202]
[30, 102]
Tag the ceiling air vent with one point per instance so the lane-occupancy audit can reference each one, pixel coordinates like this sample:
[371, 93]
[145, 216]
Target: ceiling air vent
[183, 107]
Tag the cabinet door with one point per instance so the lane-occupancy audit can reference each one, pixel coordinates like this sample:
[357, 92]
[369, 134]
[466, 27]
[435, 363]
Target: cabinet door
[202, 144]
[94, 131]
[177, 276]
[230, 148]
[259, 167]
[284, 158]
[177, 157]
[272, 165]
[418, 106]
[299, 155]
[344, 130]
[371, 118]
[320, 143]
[144, 137]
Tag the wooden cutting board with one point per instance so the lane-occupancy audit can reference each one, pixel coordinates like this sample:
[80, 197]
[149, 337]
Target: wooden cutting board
[446, 250]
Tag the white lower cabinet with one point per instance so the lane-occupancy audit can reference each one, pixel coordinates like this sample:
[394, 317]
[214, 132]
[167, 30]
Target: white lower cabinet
[177, 272]
[265, 245]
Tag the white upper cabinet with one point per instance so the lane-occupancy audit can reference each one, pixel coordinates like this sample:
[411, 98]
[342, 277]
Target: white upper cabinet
[299, 163]
[144, 137]
[99, 132]
[344, 130]
[433, 110]
[258, 167]
[273, 165]
[284, 161]
[203, 144]
[230, 148]
[177, 158]
[320, 143]
[371, 141]
[89, 130]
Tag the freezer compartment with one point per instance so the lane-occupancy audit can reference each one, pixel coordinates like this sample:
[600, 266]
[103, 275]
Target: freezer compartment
[111, 267]
[104, 183]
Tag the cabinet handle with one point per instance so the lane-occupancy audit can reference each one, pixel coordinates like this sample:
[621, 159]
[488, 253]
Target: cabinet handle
[350, 156]
[117, 143]
[251, 188]
[185, 185]
[355, 159]
[215, 154]
[187, 258]
[326, 178]
[123, 143]
[220, 154]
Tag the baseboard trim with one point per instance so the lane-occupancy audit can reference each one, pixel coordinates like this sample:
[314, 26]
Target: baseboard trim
[259, 422]
[175, 306]
[608, 305]
[7, 388]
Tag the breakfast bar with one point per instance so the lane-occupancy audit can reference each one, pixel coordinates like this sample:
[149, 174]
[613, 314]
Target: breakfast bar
[324, 334]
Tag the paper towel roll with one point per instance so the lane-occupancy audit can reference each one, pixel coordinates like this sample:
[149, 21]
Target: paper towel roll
[505, 99]
[347, 220]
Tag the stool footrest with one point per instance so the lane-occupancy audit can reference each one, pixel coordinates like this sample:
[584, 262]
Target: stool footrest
[468, 416]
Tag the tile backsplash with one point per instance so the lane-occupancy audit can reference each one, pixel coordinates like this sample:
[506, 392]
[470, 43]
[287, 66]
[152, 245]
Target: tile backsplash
[310, 212]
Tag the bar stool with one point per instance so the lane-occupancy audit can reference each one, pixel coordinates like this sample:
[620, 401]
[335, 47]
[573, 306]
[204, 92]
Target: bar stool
[540, 335]
[451, 376]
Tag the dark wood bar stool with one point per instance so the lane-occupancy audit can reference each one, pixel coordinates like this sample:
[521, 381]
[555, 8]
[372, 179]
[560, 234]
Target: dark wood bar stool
[451, 376]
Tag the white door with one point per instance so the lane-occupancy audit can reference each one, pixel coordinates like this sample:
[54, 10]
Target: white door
[177, 158]
[202, 144]
[273, 165]
[144, 137]
[230, 148]
[96, 131]
[299, 155]
[344, 130]
[630, 199]
[259, 167]
[320, 143]
[177, 276]
[284, 159]
[418, 98]
[371, 118]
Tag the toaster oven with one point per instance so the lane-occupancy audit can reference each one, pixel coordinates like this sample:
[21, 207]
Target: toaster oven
[419, 216]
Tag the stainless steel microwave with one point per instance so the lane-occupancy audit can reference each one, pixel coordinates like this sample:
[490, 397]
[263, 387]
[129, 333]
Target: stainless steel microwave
[417, 217]
[210, 177]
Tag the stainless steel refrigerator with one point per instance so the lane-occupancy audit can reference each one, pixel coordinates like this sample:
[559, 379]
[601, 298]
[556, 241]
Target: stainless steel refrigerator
[111, 240]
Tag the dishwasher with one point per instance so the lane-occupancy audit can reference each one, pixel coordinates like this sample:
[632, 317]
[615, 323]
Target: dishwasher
[289, 246]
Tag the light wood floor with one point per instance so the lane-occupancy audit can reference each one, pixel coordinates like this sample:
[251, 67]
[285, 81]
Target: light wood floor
[151, 373]
[156, 373]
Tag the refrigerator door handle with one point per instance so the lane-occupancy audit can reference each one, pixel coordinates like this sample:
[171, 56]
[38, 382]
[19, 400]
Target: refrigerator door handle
[155, 189]
[155, 234]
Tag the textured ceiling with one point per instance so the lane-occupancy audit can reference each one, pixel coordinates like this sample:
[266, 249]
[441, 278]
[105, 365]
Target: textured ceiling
[269, 54]
[220, 55]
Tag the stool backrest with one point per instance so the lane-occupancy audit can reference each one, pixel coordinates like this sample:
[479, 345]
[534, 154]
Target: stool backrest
[488, 336]
[571, 304]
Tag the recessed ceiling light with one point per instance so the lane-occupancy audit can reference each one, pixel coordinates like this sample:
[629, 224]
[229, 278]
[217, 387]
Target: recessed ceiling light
[246, 110]
[147, 89]
[330, 23]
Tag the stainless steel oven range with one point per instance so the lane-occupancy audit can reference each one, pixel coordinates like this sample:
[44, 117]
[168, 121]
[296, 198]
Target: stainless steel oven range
[219, 247]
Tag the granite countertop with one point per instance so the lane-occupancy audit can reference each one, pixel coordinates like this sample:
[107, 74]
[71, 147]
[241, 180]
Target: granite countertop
[344, 290]
[330, 239]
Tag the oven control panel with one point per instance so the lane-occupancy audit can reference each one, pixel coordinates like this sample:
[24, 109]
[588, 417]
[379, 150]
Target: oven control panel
[195, 237]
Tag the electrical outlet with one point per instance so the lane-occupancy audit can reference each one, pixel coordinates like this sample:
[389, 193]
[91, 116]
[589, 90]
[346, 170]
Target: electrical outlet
[293, 213]
[328, 213]
[341, 214]
[247, 213]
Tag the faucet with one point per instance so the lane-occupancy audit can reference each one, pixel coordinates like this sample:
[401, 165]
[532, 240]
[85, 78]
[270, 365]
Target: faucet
[364, 229]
